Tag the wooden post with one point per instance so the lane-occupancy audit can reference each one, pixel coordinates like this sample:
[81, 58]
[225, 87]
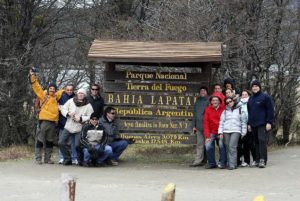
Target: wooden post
[169, 193]
[68, 187]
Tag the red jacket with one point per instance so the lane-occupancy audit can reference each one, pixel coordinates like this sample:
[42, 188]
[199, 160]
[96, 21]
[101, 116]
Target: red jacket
[212, 119]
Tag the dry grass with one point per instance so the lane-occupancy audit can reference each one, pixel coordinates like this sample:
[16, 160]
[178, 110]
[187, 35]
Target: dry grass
[15, 152]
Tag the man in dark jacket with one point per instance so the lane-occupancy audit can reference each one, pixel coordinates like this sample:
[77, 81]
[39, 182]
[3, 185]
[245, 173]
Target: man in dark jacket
[93, 141]
[117, 144]
[96, 100]
[260, 120]
[68, 94]
[199, 108]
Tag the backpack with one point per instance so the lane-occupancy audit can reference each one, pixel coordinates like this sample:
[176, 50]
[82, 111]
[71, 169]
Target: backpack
[38, 105]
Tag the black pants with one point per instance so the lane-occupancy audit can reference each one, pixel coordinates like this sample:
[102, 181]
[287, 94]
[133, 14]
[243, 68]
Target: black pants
[260, 136]
[245, 147]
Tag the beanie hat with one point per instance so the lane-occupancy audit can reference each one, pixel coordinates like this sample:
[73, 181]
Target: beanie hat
[215, 95]
[51, 84]
[82, 91]
[255, 82]
[204, 87]
[228, 81]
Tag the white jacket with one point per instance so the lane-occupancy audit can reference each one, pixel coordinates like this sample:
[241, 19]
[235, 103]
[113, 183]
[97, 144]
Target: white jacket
[83, 112]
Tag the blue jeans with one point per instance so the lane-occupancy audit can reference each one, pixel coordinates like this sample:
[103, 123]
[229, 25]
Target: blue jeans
[64, 145]
[210, 150]
[106, 154]
[118, 147]
[73, 147]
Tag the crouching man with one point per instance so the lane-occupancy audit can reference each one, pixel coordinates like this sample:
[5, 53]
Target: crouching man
[93, 142]
[117, 144]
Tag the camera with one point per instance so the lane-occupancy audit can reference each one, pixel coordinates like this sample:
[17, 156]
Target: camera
[34, 69]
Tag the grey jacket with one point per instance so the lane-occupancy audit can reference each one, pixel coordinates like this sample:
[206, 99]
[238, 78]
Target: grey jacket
[199, 108]
[110, 128]
[233, 121]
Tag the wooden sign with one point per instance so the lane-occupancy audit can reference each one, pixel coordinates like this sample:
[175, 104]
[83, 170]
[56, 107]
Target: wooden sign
[154, 112]
[150, 138]
[160, 99]
[155, 125]
[152, 87]
[156, 76]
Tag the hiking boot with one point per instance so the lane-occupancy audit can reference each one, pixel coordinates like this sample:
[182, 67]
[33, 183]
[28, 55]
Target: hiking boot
[231, 168]
[262, 163]
[38, 155]
[194, 164]
[67, 162]
[112, 163]
[221, 166]
[210, 166]
[38, 162]
[47, 157]
[85, 164]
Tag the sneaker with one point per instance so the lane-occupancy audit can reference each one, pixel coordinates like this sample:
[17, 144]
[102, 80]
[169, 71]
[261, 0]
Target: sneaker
[244, 164]
[221, 166]
[262, 163]
[210, 166]
[38, 162]
[112, 163]
[61, 161]
[254, 164]
[75, 162]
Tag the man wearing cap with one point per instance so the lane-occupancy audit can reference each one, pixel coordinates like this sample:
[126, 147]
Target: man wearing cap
[260, 120]
[94, 143]
[48, 117]
[199, 108]
[211, 124]
[77, 110]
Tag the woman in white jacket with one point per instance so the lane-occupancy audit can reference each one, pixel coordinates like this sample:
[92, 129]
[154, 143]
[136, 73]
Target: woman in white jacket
[233, 124]
[77, 110]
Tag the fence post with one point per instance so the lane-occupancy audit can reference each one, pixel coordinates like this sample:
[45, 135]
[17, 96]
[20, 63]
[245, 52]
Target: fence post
[68, 187]
[169, 193]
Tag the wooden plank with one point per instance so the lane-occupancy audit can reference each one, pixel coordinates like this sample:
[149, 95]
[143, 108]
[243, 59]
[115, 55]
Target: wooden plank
[155, 125]
[150, 138]
[169, 193]
[155, 52]
[152, 87]
[156, 76]
[152, 99]
[154, 112]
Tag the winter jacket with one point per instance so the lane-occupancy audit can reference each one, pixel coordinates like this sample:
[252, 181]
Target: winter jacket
[92, 135]
[49, 106]
[199, 108]
[233, 121]
[62, 120]
[110, 128]
[97, 103]
[260, 110]
[212, 120]
[83, 112]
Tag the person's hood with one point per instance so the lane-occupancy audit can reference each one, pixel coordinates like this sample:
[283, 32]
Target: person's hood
[218, 95]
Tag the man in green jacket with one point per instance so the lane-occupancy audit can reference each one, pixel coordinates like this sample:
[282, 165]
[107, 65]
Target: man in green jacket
[199, 108]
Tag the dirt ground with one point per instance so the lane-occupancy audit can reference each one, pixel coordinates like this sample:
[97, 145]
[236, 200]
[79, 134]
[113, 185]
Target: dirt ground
[23, 180]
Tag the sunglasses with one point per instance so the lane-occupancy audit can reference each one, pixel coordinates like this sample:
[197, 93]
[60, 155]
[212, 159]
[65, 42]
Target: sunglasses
[227, 102]
[95, 89]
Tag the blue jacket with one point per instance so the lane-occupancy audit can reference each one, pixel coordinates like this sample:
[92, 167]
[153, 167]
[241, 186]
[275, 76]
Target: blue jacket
[62, 120]
[260, 110]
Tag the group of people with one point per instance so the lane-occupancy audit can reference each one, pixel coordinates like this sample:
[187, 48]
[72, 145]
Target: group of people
[88, 134]
[237, 123]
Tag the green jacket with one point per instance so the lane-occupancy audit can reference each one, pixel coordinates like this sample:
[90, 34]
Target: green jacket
[199, 108]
